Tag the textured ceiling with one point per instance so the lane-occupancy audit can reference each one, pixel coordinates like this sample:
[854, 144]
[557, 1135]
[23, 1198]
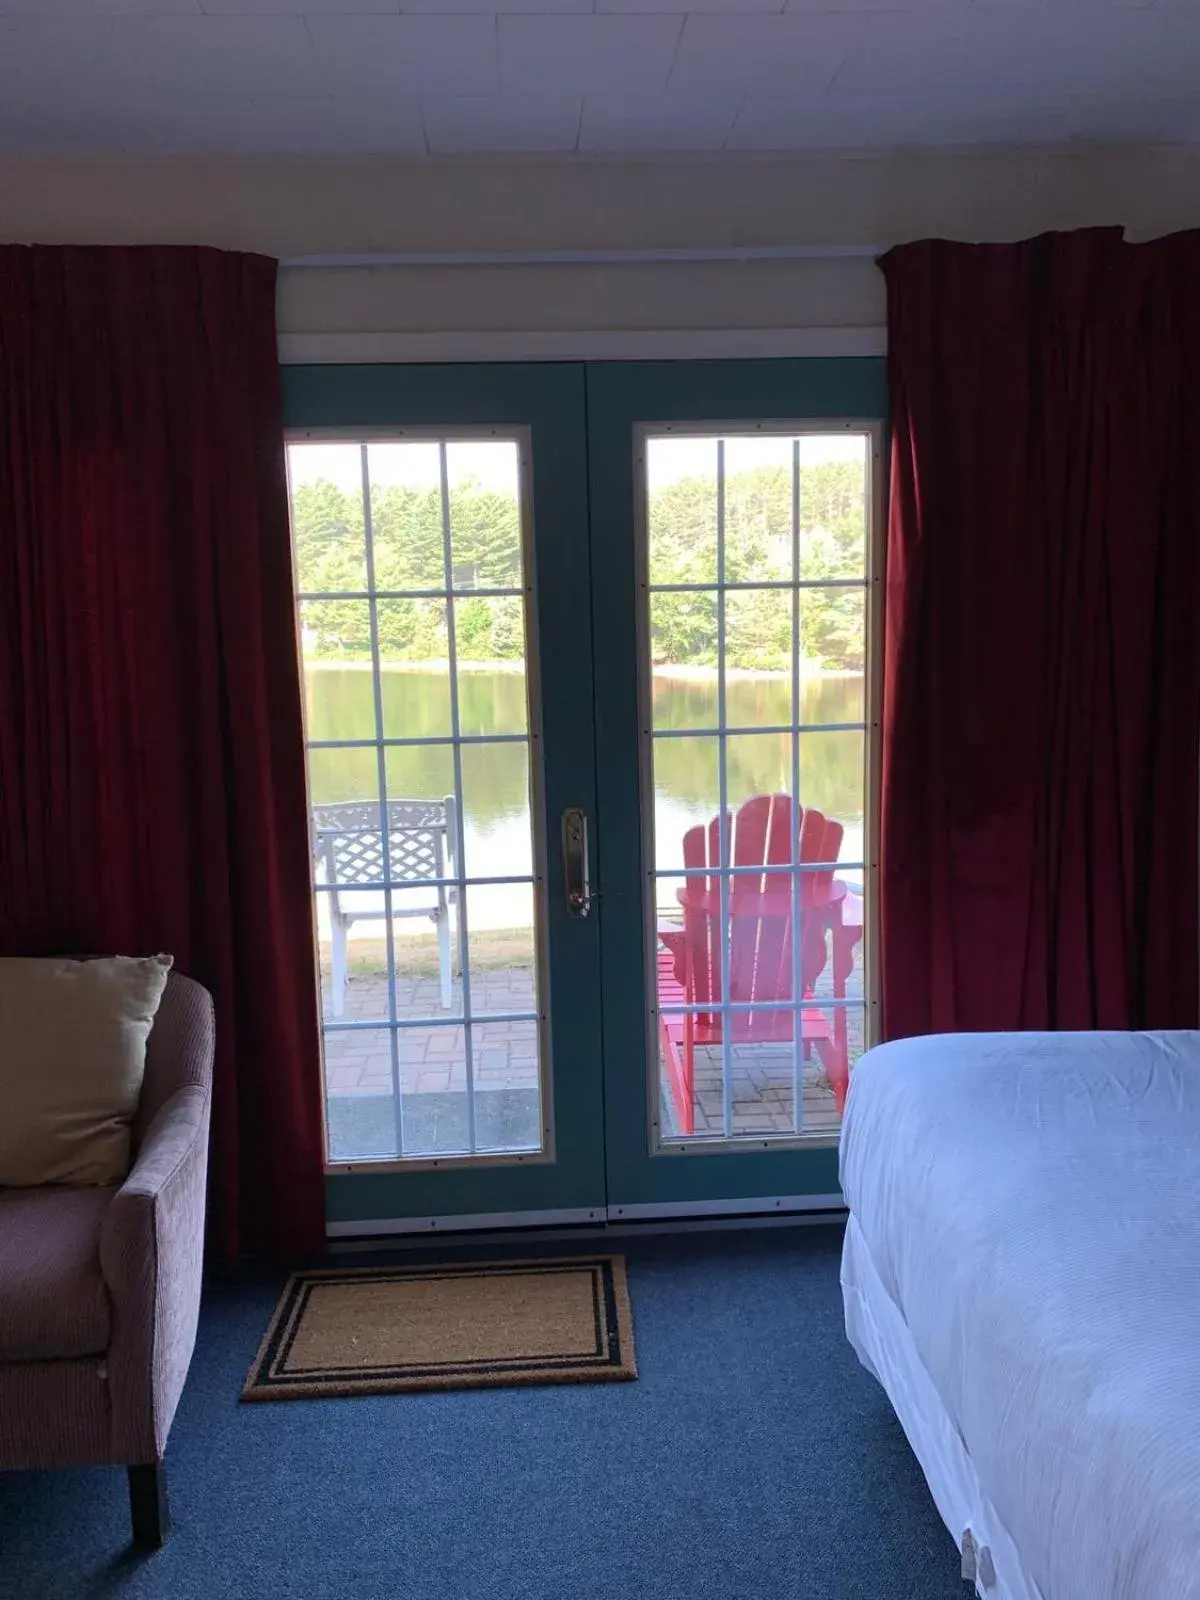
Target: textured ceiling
[490, 76]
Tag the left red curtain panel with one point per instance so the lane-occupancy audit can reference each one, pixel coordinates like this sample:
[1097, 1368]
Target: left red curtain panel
[152, 785]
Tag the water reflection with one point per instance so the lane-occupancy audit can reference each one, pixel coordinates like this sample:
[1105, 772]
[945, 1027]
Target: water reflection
[340, 703]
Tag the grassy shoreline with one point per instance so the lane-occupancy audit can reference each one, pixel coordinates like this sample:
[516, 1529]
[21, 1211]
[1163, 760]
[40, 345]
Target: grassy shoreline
[416, 954]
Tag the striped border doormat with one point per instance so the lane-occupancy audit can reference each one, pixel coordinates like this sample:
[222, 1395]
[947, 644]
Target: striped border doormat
[385, 1330]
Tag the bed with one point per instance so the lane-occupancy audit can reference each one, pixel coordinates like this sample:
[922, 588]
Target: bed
[1022, 1275]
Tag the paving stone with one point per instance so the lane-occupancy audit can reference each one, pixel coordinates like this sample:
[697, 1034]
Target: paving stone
[506, 1056]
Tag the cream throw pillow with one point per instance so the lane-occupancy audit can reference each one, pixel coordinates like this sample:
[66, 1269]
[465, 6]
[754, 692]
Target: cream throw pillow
[72, 1055]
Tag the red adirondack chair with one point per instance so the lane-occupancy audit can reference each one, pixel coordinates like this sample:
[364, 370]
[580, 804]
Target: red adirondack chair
[760, 909]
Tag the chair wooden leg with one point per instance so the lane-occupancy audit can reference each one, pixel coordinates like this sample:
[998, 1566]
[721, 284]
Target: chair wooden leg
[689, 1070]
[837, 1071]
[444, 964]
[338, 975]
[148, 1507]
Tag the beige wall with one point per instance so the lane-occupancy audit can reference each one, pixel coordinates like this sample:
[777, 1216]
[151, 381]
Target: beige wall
[289, 207]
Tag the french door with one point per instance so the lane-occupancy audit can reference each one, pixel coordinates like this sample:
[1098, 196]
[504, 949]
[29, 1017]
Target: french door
[588, 679]
[734, 518]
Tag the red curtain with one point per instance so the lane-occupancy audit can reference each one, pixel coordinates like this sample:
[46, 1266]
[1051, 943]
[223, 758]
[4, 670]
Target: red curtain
[152, 785]
[1042, 666]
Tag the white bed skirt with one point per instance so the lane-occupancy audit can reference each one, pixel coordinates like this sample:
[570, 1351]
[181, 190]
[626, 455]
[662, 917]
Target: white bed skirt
[885, 1347]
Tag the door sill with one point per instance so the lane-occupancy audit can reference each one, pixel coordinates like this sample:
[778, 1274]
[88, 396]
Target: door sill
[478, 1222]
[681, 1216]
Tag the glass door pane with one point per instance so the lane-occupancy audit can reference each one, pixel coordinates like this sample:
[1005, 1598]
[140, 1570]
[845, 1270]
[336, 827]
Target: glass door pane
[439, 530]
[410, 558]
[754, 710]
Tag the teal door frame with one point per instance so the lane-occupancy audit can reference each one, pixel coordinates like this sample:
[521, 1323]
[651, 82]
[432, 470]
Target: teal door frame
[582, 423]
[549, 402]
[621, 398]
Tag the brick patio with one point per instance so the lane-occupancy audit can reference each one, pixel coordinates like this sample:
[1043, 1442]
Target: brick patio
[432, 1064]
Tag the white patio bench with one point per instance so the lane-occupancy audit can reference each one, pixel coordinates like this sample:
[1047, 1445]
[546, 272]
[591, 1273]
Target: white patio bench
[348, 846]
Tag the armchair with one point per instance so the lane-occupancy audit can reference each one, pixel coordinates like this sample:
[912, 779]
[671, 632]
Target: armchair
[100, 1288]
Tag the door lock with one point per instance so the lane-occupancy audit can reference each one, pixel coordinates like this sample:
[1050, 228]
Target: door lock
[575, 861]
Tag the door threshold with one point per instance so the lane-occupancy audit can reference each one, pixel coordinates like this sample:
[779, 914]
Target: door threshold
[600, 1223]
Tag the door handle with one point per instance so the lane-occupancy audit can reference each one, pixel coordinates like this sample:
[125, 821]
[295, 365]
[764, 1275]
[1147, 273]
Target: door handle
[575, 861]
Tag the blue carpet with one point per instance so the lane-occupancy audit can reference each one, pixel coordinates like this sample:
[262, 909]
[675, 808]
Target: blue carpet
[753, 1457]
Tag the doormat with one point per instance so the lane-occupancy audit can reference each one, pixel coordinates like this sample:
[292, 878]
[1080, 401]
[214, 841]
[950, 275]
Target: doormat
[386, 1330]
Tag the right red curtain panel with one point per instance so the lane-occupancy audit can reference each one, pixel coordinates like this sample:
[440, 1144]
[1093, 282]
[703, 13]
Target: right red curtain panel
[1041, 740]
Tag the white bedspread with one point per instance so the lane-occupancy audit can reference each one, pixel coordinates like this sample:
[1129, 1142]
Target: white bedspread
[1031, 1203]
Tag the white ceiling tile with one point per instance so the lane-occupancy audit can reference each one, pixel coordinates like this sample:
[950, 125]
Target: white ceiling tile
[788, 54]
[583, 54]
[1159, 45]
[657, 122]
[804, 122]
[363, 55]
[517, 123]
[892, 54]
[184, 55]
[28, 60]
[345, 75]
[297, 8]
[727, 7]
[492, 7]
[1180, 121]
[99, 8]
[218, 127]
[819, 122]
[843, 7]
[366, 124]
[1080, 6]
[1114, 53]
[845, 122]
[1146, 118]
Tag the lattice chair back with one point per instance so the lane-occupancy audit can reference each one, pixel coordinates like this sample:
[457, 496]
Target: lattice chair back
[420, 844]
[357, 867]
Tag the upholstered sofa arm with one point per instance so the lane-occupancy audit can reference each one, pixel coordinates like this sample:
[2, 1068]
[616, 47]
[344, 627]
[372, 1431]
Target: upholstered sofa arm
[151, 1255]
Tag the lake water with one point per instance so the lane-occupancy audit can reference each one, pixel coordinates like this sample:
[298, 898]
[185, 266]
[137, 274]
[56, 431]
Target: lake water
[495, 777]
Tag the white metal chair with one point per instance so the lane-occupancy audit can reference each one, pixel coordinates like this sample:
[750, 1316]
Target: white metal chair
[349, 849]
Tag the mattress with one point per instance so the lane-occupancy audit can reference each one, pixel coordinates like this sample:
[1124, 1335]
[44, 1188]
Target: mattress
[1030, 1205]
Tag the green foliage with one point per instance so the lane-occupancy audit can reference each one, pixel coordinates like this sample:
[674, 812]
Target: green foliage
[409, 553]
[758, 549]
